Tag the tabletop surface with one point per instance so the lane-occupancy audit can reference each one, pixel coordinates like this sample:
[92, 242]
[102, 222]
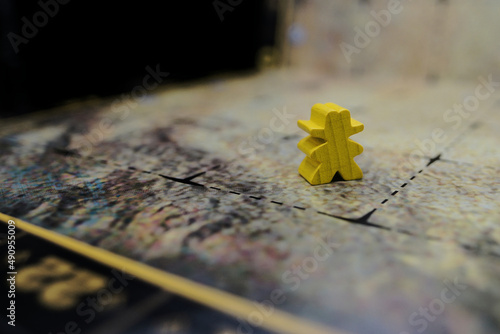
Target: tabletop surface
[201, 181]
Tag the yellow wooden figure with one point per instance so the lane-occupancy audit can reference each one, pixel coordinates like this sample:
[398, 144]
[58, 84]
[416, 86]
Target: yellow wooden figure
[329, 149]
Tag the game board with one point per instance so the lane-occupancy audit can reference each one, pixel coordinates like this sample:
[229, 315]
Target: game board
[200, 183]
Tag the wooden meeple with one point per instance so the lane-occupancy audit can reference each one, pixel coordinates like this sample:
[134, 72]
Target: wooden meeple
[328, 147]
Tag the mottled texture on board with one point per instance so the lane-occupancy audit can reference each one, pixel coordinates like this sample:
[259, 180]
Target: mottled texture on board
[202, 181]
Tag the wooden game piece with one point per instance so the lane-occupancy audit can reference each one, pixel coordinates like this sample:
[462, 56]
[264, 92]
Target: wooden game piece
[328, 147]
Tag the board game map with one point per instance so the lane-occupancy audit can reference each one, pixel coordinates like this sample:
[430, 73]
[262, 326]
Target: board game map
[201, 181]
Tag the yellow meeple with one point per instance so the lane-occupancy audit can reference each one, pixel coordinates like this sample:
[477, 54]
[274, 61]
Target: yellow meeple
[329, 149]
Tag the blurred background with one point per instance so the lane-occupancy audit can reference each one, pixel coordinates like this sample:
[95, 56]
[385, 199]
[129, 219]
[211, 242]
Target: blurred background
[55, 51]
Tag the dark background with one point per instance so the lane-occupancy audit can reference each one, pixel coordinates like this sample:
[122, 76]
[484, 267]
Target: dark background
[100, 48]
